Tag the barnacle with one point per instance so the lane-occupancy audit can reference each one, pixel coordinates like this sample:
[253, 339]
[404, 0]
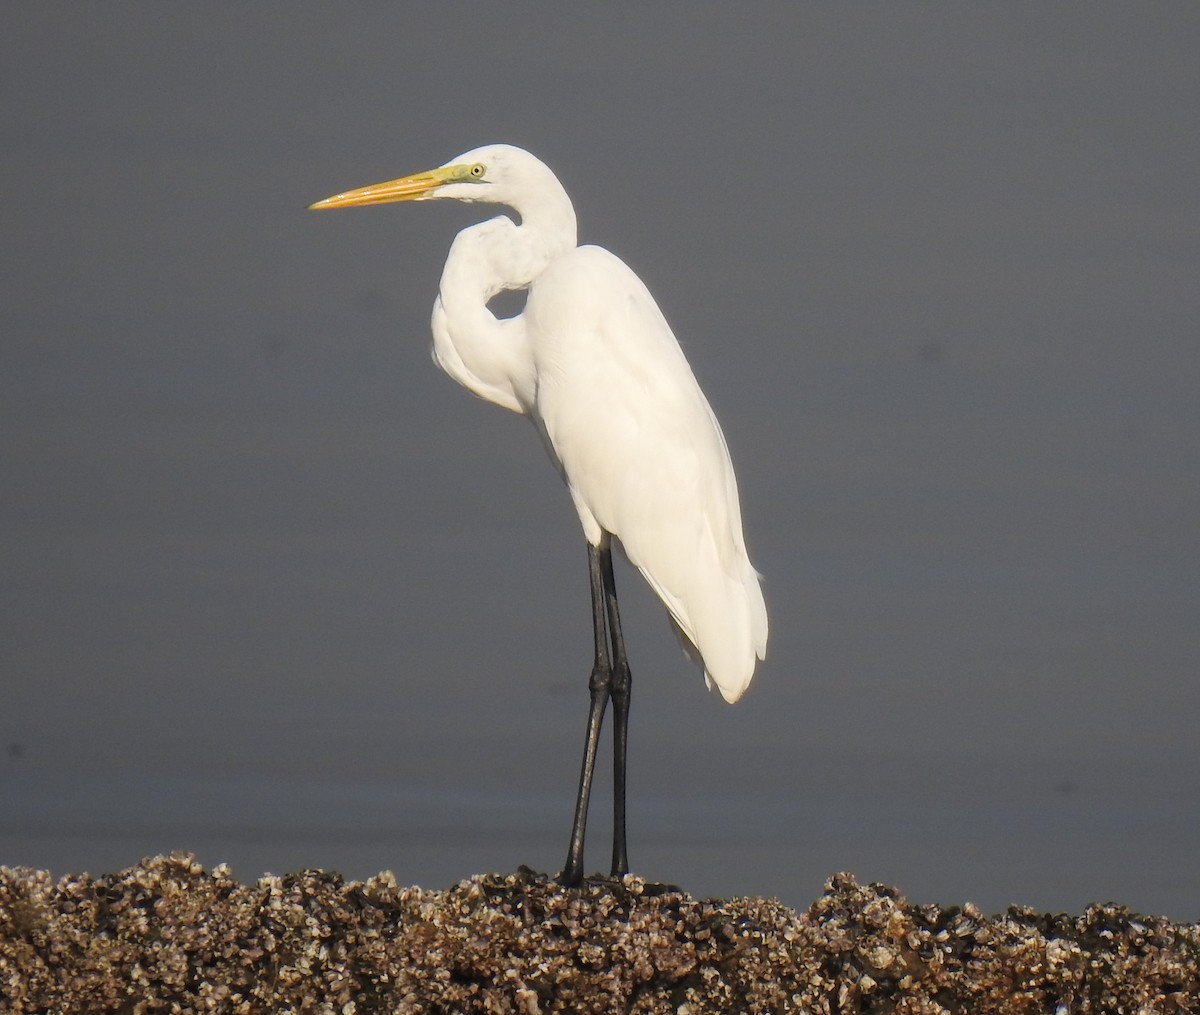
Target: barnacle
[167, 935]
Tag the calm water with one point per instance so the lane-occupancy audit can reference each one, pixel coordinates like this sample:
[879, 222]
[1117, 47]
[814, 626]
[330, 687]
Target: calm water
[942, 835]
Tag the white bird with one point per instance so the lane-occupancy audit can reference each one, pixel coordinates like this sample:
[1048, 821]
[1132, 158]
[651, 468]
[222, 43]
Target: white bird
[593, 363]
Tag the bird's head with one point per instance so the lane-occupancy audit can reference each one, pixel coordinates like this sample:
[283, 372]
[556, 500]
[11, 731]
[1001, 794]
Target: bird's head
[496, 174]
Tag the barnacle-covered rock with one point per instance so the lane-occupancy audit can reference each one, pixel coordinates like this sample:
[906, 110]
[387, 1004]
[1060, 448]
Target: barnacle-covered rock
[166, 936]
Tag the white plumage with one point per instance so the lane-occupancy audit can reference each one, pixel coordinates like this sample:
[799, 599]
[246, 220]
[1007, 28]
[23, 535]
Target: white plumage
[593, 363]
[643, 455]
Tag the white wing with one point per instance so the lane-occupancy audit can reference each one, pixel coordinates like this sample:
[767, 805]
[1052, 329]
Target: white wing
[643, 454]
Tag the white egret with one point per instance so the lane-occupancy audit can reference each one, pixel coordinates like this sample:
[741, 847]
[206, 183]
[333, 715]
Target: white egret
[592, 362]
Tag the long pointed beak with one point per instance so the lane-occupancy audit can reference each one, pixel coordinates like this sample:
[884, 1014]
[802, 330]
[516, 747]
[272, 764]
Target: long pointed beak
[417, 187]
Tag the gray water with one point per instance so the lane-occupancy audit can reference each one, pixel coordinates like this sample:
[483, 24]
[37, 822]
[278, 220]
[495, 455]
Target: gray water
[277, 592]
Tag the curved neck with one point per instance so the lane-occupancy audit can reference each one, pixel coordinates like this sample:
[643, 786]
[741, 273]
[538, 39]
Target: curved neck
[489, 356]
[511, 255]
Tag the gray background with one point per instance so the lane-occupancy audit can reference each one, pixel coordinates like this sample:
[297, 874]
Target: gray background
[276, 591]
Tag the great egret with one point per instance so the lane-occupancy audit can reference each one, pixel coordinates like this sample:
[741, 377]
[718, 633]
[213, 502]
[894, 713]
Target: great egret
[593, 363]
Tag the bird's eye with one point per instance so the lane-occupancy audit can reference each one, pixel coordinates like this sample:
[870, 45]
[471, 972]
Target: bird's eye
[477, 171]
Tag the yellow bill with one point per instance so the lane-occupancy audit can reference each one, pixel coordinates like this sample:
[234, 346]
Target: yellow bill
[417, 187]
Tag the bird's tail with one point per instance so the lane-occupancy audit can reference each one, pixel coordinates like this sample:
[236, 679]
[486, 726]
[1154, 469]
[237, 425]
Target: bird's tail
[727, 648]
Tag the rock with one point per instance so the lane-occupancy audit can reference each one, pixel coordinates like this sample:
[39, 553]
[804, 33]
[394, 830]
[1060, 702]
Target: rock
[167, 936]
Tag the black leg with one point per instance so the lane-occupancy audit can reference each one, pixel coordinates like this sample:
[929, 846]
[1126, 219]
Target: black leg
[600, 686]
[620, 690]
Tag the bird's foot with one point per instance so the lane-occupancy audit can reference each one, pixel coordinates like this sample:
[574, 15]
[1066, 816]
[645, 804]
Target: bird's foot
[570, 876]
